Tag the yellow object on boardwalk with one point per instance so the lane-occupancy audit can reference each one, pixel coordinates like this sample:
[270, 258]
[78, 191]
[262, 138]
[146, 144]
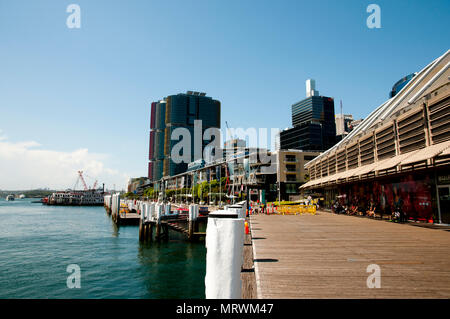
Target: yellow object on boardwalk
[123, 211]
[296, 209]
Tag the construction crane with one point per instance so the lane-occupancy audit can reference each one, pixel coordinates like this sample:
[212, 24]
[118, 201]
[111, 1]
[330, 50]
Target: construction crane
[228, 128]
[80, 173]
[86, 187]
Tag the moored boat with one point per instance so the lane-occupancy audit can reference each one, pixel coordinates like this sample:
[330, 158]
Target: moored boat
[76, 198]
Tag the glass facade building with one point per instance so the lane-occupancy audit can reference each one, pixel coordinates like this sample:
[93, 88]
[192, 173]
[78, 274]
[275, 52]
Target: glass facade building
[157, 136]
[306, 136]
[178, 111]
[313, 108]
[314, 125]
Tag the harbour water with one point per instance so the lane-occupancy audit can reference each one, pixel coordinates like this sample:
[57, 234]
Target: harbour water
[38, 242]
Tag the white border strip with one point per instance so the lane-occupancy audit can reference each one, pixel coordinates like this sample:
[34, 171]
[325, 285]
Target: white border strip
[255, 266]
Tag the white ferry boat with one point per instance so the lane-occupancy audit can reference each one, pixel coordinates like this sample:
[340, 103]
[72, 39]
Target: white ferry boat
[10, 198]
[86, 197]
[75, 198]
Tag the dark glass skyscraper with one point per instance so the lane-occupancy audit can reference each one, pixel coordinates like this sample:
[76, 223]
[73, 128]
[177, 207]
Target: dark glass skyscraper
[314, 127]
[178, 111]
[306, 136]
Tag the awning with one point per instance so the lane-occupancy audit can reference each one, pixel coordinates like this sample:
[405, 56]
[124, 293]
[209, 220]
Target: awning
[348, 173]
[311, 183]
[367, 168]
[307, 184]
[445, 152]
[393, 162]
[334, 178]
[326, 179]
[402, 159]
[427, 153]
[320, 180]
[357, 171]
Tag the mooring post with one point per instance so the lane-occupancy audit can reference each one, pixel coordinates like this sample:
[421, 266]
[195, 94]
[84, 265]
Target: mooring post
[144, 218]
[141, 227]
[159, 211]
[150, 218]
[192, 218]
[239, 209]
[115, 208]
[224, 255]
[107, 203]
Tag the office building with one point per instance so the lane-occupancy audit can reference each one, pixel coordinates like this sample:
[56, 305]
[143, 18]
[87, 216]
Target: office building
[313, 121]
[178, 111]
[343, 126]
[291, 172]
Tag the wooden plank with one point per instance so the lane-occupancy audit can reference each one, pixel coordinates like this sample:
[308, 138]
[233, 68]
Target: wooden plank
[248, 273]
[326, 256]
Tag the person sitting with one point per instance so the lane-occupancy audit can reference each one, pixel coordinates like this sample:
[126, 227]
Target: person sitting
[353, 210]
[334, 208]
[371, 211]
[395, 216]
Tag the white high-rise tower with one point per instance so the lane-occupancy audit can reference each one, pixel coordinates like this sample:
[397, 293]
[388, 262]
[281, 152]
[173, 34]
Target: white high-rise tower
[311, 88]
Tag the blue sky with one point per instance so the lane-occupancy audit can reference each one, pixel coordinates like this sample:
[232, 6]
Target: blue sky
[83, 95]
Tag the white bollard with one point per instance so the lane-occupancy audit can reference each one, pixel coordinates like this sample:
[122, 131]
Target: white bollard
[143, 211]
[159, 212]
[224, 255]
[151, 212]
[106, 201]
[238, 209]
[193, 211]
[167, 209]
[115, 203]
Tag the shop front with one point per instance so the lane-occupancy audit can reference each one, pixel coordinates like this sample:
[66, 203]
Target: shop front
[443, 196]
[421, 196]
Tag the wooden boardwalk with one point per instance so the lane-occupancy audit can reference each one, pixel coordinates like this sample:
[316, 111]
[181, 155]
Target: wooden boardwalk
[127, 219]
[248, 271]
[326, 256]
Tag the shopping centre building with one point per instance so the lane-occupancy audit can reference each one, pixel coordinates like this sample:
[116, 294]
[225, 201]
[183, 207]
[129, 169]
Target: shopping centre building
[398, 158]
